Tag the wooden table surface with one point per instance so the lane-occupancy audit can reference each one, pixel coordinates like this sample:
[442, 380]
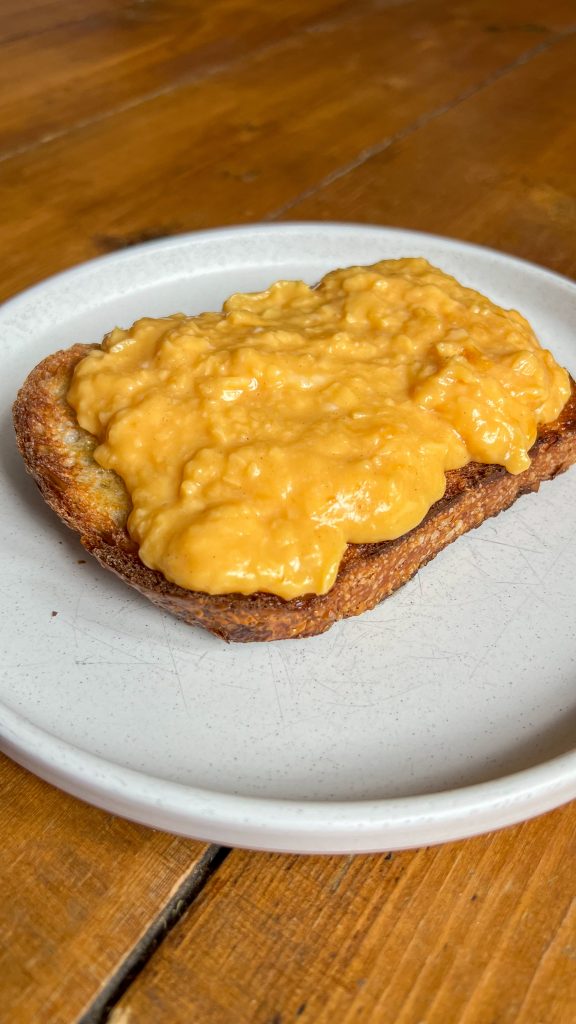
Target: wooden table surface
[125, 120]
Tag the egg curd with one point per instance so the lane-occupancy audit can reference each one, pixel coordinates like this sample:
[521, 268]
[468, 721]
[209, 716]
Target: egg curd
[257, 442]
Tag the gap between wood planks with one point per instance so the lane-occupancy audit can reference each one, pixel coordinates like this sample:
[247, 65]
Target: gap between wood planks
[100, 1009]
[380, 147]
[210, 71]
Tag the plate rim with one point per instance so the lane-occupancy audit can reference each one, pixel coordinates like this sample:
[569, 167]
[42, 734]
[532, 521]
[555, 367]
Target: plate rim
[264, 823]
[279, 824]
[269, 227]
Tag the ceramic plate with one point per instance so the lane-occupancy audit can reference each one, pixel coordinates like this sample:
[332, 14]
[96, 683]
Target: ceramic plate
[448, 710]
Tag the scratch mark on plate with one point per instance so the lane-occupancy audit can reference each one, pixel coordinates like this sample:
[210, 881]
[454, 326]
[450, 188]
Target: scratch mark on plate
[493, 647]
[326, 686]
[116, 663]
[526, 525]
[276, 686]
[292, 682]
[350, 704]
[506, 544]
[175, 667]
[100, 640]
[560, 555]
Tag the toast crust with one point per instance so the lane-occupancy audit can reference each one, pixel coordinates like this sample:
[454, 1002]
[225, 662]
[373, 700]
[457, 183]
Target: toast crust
[94, 502]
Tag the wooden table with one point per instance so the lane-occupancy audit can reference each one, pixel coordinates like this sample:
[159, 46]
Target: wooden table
[125, 120]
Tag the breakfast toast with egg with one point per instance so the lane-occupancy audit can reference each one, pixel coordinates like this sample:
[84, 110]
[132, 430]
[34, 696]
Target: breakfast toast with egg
[94, 502]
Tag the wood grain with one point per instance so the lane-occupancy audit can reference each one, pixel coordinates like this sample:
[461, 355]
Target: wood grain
[476, 931]
[35, 17]
[498, 168]
[133, 51]
[135, 119]
[245, 143]
[79, 890]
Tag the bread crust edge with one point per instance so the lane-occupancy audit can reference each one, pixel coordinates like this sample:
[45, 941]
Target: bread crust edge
[94, 503]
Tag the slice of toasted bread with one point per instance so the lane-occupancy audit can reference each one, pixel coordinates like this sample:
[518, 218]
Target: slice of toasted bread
[94, 502]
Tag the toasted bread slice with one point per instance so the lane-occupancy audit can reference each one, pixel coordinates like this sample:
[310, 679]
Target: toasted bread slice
[94, 502]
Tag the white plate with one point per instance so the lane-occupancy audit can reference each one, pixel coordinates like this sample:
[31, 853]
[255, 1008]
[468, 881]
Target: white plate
[448, 710]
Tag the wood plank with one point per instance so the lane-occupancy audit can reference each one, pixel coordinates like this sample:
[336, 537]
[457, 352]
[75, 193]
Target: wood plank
[34, 17]
[475, 931]
[244, 143]
[498, 168]
[115, 55]
[79, 890]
